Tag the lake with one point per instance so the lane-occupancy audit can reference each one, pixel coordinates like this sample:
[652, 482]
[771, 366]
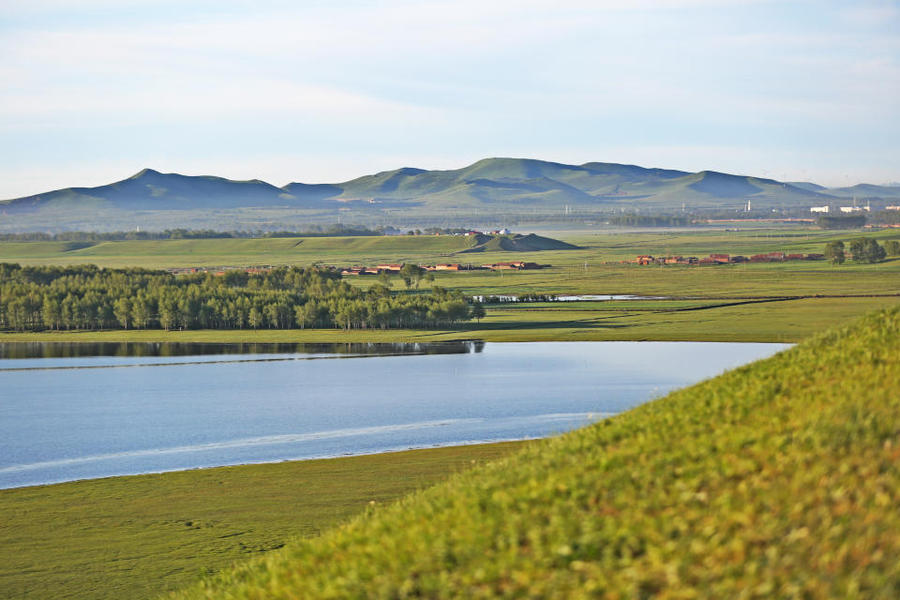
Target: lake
[79, 411]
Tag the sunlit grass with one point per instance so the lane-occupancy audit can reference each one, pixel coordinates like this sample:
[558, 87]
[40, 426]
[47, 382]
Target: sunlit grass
[699, 320]
[136, 537]
[777, 479]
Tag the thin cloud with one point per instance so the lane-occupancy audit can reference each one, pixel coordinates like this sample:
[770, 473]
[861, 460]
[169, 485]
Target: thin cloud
[386, 83]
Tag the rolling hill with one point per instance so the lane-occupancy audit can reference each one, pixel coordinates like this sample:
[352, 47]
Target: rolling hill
[485, 192]
[776, 480]
[517, 243]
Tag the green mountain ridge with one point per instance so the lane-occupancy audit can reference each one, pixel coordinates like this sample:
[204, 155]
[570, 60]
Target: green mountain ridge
[490, 188]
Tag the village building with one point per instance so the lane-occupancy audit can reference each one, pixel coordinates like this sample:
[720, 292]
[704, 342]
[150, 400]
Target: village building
[390, 268]
[516, 265]
[722, 259]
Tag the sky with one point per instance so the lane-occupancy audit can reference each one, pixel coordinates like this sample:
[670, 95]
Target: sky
[325, 91]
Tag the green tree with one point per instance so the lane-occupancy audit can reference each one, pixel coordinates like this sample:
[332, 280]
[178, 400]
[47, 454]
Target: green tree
[32, 298]
[16, 313]
[876, 252]
[307, 314]
[279, 315]
[122, 311]
[840, 221]
[892, 247]
[168, 314]
[255, 318]
[834, 251]
[478, 312]
[141, 312]
[51, 312]
[412, 275]
[867, 250]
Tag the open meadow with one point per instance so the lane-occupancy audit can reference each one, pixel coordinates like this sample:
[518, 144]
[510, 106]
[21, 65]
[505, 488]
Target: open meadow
[783, 301]
[140, 536]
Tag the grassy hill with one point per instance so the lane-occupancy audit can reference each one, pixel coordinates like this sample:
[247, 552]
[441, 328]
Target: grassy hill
[491, 190]
[517, 243]
[778, 479]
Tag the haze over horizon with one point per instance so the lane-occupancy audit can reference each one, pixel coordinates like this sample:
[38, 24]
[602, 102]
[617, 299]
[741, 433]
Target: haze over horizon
[795, 91]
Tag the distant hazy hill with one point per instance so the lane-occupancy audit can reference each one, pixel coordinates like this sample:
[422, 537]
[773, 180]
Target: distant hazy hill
[152, 190]
[867, 190]
[490, 189]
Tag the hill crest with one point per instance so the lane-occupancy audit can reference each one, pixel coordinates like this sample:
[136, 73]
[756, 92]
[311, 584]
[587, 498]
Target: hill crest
[518, 242]
[489, 188]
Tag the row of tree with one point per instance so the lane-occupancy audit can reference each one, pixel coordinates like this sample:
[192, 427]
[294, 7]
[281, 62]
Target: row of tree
[883, 217]
[865, 250]
[337, 229]
[840, 221]
[86, 297]
[635, 220]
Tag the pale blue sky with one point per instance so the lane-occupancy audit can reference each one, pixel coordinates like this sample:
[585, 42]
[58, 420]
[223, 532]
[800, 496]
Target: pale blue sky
[94, 91]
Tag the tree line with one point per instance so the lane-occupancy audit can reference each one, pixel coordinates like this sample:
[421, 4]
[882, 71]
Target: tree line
[841, 221]
[635, 220]
[865, 250]
[190, 234]
[88, 297]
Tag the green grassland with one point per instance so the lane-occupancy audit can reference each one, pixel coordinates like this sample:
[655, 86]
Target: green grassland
[598, 245]
[594, 268]
[777, 479]
[821, 293]
[705, 320]
[137, 537]
[235, 252]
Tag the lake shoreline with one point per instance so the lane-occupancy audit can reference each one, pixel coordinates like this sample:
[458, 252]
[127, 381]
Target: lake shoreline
[335, 336]
[139, 536]
[398, 451]
[74, 417]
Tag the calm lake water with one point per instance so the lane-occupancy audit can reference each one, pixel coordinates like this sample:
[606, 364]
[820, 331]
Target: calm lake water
[78, 411]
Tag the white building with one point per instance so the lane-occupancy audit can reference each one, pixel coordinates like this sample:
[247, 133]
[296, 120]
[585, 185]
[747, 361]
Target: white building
[853, 209]
[819, 209]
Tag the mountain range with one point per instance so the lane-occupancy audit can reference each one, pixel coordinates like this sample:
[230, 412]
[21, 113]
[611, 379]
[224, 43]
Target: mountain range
[487, 189]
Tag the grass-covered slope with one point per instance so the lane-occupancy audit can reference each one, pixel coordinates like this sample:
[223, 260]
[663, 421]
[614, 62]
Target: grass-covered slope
[517, 243]
[136, 537]
[779, 479]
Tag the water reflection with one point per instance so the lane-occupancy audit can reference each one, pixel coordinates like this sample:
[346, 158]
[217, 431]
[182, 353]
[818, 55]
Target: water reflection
[71, 416]
[21, 350]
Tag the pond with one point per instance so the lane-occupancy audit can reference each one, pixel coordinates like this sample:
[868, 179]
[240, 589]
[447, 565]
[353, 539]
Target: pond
[77, 411]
